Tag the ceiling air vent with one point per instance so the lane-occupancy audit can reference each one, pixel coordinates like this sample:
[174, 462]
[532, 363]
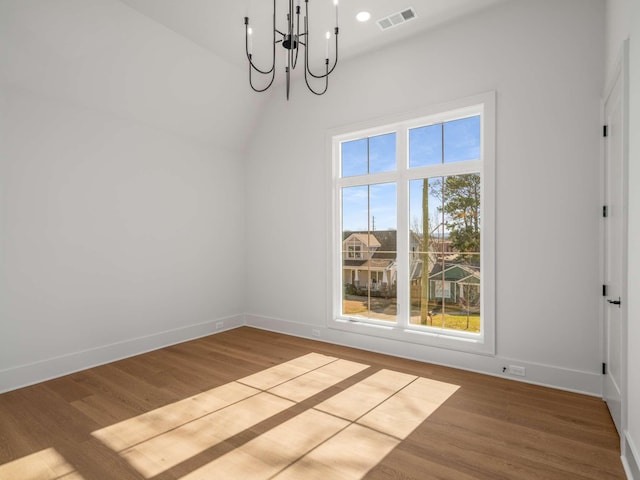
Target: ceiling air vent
[397, 19]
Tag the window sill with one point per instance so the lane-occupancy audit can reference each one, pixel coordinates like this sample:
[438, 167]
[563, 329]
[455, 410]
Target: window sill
[432, 337]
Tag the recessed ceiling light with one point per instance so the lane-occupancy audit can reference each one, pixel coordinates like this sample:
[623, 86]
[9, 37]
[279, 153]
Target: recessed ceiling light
[363, 16]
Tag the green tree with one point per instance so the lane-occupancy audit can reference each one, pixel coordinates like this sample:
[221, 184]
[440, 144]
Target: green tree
[460, 196]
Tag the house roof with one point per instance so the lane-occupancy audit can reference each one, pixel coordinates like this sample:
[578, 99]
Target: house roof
[372, 263]
[455, 272]
[366, 238]
[386, 240]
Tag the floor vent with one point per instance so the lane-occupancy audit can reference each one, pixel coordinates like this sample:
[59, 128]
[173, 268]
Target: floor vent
[397, 19]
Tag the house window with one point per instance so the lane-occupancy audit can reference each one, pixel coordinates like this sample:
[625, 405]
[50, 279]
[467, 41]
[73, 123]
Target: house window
[417, 194]
[442, 289]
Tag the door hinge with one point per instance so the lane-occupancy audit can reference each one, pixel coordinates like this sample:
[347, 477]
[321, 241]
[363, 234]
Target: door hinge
[604, 131]
[604, 368]
[604, 290]
[605, 211]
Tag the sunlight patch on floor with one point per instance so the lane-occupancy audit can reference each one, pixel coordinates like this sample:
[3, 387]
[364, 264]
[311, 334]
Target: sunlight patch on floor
[402, 413]
[134, 431]
[347, 456]
[269, 378]
[169, 449]
[358, 399]
[312, 383]
[343, 436]
[275, 450]
[163, 438]
[46, 464]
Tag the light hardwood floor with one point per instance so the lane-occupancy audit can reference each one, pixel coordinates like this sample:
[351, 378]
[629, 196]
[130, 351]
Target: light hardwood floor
[250, 404]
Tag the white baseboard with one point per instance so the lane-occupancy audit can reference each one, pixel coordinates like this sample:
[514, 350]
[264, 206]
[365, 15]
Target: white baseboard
[630, 458]
[24, 375]
[545, 375]
[588, 383]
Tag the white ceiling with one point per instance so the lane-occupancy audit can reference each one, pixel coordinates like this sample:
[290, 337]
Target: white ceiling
[218, 26]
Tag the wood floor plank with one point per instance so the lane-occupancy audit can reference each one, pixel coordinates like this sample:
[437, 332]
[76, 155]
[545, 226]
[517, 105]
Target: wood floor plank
[485, 428]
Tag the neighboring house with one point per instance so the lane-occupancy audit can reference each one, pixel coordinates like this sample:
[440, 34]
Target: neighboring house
[442, 248]
[369, 263]
[369, 259]
[455, 283]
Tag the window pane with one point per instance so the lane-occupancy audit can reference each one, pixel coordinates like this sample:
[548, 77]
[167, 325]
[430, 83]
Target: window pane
[383, 207]
[382, 153]
[354, 157]
[369, 253]
[462, 140]
[425, 146]
[425, 234]
[450, 297]
[355, 208]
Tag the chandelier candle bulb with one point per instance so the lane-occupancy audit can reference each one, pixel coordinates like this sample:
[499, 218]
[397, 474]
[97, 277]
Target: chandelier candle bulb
[250, 40]
[335, 2]
[328, 36]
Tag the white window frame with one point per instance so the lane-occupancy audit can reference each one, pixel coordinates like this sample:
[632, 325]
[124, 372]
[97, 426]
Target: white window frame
[483, 105]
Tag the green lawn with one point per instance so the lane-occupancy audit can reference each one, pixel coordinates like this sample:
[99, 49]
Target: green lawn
[386, 309]
[452, 322]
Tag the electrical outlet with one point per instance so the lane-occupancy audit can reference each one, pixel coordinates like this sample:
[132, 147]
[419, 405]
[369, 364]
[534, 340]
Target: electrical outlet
[516, 370]
[219, 325]
[315, 332]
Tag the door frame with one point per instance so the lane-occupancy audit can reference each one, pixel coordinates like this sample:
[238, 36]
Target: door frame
[621, 70]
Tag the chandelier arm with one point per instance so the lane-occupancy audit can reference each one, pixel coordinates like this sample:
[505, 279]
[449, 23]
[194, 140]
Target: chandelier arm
[288, 81]
[263, 72]
[295, 60]
[306, 50]
[329, 70]
[326, 81]
[335, 63]
[260, 90]
[290, 16]
[246, 43]
[250, 56]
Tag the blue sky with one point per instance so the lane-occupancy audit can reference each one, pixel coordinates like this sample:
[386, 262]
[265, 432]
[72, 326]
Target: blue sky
[378, 154]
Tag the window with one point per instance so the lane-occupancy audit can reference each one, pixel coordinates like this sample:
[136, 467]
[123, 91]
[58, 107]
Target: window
[412, 250]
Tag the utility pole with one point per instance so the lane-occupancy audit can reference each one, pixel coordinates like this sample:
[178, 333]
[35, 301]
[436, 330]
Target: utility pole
[425, 318]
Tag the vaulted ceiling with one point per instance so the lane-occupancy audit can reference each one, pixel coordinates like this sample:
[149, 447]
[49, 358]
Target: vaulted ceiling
[219, 26]
[179, 65]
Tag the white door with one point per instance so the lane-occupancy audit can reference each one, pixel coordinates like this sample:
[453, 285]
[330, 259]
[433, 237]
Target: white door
[615, 227]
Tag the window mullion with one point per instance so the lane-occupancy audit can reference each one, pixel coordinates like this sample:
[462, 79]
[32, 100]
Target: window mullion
[402, 256]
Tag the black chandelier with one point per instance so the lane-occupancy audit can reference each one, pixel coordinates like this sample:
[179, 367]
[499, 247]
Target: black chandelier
[291, 40]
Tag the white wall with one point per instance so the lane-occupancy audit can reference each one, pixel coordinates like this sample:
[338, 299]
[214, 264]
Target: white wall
[548, 82]
[121, 187]
[618, 22]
